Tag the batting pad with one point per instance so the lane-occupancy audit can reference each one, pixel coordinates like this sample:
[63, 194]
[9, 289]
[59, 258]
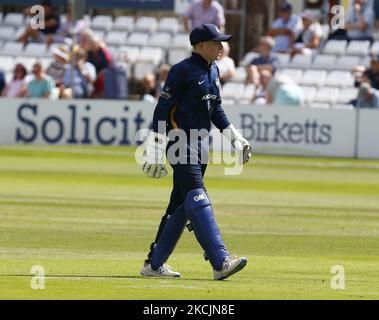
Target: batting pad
[169, 237]
[200, 213]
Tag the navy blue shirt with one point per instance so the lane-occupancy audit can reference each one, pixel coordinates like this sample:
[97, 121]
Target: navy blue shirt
[272, 60]
[190, 98]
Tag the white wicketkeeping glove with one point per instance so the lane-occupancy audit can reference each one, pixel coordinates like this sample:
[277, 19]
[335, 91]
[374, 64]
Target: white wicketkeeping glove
[154, 155]
[239, 142]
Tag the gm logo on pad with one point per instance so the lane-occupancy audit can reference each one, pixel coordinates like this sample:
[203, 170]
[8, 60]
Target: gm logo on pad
[199, 197]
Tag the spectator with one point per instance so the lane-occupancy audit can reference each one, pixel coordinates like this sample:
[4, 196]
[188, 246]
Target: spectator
[360, 20]
[51, 25]
[2, 81]
[149, 88]
[98, 55]
[226, 64]
[311, 36]
[66, 28]
[58, 67]
[368, 97]
[204, 11]
[17, 87]
[266, 60]
[261, 91]
[283, 91]
[163, 74]
[371, 75]
[78, 77]
[285, 29]
[41, 86]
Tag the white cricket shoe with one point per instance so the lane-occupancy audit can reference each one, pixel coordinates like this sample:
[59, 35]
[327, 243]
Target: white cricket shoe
[164, 271]
[230, 267]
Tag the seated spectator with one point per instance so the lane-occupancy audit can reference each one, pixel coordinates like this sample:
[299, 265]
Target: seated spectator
[78, 77]
[261, 91]
[51, 25]
[360, 20]
[41, 86]
[266, 61]
[226, 64]
[283, 91]
[204, 11]
[17, 87]
[149, 88]
[66, 29]
[371, 75]
[2, 81]
[286, 29]
[368, 97]
[98, 55]
[58, 67]
[162, 77]
[311, 36]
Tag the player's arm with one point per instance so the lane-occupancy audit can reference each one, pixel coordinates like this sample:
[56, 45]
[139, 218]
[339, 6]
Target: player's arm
[220, 120]
[154, 155]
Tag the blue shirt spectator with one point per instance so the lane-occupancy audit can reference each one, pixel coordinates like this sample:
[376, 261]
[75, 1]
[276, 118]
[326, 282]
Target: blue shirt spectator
[42, 85]
[360, 20]
[283, 91]
[286, 29]
[368, 97]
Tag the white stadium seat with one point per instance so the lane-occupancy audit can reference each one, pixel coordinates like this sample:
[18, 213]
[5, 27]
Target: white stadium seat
[327, 95]
[180, 40]
[313, 78]
[360, 48]
[366, 61]
[7, 33]
[6, 63]
[347, 95]
[101, 22]
[28, 62]
[117, 38]
[99, 34]
[348, 62]
[324, 61]
[14, 19]
[319, 105]
[141, 69]
[146, 24]
[35, 49]
[343, 106]
[127, 54]
[294, 74]
[249, 92]
[153, 55]
[301, 61]
[335, 47]
[160, 39]
[232, 90]
[339, 79]
[310, 93]
[177, 55]
[138, 39]
[284, 59]
[241, 75]
[12, 48]
[124, 23]
[375, 48]
[169, 24]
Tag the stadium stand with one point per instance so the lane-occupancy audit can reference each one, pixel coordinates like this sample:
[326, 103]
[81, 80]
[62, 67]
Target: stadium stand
[142, 44]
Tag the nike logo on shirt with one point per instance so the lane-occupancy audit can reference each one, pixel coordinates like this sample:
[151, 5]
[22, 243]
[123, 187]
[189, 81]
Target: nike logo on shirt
[201, 82]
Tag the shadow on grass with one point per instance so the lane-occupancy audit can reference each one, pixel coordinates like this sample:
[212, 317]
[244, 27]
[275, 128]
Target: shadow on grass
[103, 277]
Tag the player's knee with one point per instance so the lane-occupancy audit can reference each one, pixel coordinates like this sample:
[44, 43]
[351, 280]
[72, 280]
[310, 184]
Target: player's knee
[195, 199]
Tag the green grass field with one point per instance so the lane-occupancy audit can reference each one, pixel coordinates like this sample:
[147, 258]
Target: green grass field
[88, 215]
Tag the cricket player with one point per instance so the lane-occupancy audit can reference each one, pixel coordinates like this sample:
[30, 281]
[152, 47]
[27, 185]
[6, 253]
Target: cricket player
[191, 100]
